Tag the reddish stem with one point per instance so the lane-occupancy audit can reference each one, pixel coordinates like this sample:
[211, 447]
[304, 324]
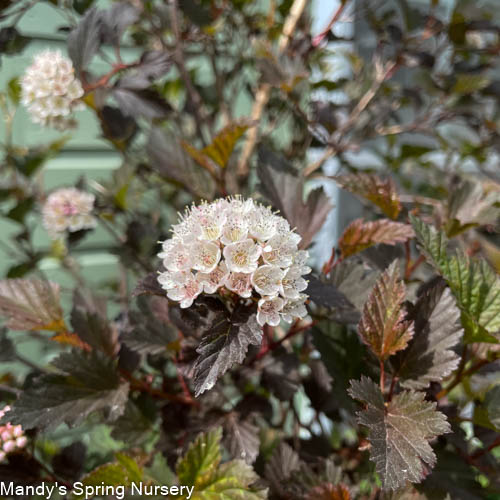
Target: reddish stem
[382, 377]
[318, 38]
[482, 452]
[294, 330]
[104, 80]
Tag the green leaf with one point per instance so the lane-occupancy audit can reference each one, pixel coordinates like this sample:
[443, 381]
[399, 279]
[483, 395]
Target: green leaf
[429, 356]
[468, 83]
[31, 304]
[159, 471]
[284, 188]
[87, 382]
[474, 283]
[89, 322]
[201, 459]
[399, 432]
[123, 472]
[360, 235]
[383, 326]
[492, 404]
[230, 481]
[380, 192]
[226, 343]
[14, 90]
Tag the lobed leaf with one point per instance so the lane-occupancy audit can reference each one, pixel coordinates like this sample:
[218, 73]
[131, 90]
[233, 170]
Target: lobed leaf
[380, 192]
[399, 432]
[429, 356]
[31, 304]
[284, 188]
[383, 326]
[87, 382]
[201, 459]
[474, 284]
[360, 235]
[241, 438]
[225, 344]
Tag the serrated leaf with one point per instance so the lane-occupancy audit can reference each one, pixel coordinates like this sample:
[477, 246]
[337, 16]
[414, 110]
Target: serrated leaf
[133, 426]
[283, 463]
[492, 405]
[225, 344]
[329, 492]
[88, 319]
[241, 438]
[383, 326]
[152, 65]
[360, 235]
[150, 329]
[116, 20]
[31, 304]
[87, 382]
[474, 284]
[399, 432]
[283, 186]
[201, 459]
[380, 192]
[123, 472]
[222, 145]
[85, 40]
[159, 471]
[429, 356]
[230, 481]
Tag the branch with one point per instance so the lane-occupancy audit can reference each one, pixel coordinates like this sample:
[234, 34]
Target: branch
[262, 96]
[381, 75]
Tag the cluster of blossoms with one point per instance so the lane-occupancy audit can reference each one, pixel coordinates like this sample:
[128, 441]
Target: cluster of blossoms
[68, 209]
[11, 437]
[50, 90]
[241, 246]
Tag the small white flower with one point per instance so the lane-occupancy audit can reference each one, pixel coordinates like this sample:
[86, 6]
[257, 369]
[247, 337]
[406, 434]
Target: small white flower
[263, 223]
[172, 279]
[235, 229]
[186, 292]
[240, 283]
[12, 437]
[294, 309]
[175, 255]
[293, 283]
[281, 249]
[239, 246]
[211, 282]
[268, 310]
[267, 279]
[205, 256]
[68, 209]
[242, 257]
[50, 91]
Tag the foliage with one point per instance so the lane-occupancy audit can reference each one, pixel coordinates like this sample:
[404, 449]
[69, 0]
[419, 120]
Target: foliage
[388, 387]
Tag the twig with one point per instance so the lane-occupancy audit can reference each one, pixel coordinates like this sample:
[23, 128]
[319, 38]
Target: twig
[318, 38]
[382, 376]
[381, 75]
[193, 95]
[263, 93]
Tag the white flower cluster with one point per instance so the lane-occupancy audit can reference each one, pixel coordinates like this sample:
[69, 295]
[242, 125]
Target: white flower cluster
[68, 209]
[11, 436]
[241, 246]
[50, 90]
